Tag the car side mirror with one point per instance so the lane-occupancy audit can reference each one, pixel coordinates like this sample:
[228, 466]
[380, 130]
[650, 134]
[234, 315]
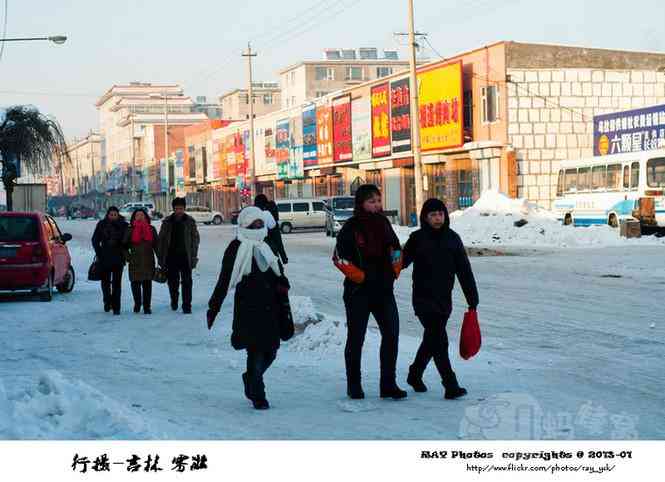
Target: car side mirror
[66, 237]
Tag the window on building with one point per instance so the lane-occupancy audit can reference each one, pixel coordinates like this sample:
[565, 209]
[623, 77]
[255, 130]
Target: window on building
[490, 95]
[383, 72]
[293, 100]
[267, 99]
[468, 112]
[465, 189]
[324, 73]
[354, 73]
[598, 178]
[634, 175]
[656, 172]
[583, 178]
[559, 184]
[293, 78]
[626, 177]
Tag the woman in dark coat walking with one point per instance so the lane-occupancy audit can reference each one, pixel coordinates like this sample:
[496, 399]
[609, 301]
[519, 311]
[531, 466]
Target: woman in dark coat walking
[141, 243]
[366, 250]
[250, 266]
[274, 239]
[438, 255]
[107, 241]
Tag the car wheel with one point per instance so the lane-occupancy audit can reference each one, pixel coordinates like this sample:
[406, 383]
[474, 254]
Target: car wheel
[286, 228]
[67, 284]
[217, 220]
[47, 292]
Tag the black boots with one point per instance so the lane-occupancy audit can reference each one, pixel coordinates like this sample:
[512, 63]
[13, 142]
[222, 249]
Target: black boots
[174, 305]
[394, 392]
[107, 307]
[455, 392]
[416, 381]
[147, 310]
[137, 308]
[355, 391]
[261, 404]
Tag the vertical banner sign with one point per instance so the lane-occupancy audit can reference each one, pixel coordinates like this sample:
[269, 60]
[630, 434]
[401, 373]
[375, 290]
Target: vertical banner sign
[155, 186]
[245, 154]
[282, 148]
[361, 127]
[191, 163]
[400, 122]
[309, 137]
[240, 154]
[200, 174]
[213, 160]
[440, 107]
[341, 107]
[231, 166]
[295, 170]
[221, 159]
[209, 160]
[269, 146]
[179, 173]
[380, 120]
[324, 134]
[629, 131]
[163, 175]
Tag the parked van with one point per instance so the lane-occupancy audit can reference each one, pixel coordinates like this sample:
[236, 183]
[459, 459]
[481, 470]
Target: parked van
[301, 214]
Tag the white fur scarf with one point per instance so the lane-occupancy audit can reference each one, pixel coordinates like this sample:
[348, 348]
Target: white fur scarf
[252, 246]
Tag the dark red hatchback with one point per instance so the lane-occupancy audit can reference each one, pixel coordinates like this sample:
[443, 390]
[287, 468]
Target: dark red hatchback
[33, 255]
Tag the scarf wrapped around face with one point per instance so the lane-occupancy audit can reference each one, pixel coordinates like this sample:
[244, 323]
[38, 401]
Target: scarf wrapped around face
[141, 231]
[252, 247]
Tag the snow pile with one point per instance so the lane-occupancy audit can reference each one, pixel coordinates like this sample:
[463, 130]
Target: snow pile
[328, 336]
[58, 408]
[303, 312]
[491, 222]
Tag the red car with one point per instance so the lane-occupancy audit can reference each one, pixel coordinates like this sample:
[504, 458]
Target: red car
[33, 255]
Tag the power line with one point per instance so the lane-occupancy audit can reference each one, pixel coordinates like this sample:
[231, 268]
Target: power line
[49, 94]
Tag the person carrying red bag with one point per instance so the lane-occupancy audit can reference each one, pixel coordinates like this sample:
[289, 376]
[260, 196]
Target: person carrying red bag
[438, 255]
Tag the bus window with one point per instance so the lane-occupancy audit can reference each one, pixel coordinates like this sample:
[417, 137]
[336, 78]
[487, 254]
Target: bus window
[598, 178]
[634, 175]
[626, 177]
[583, 179]
[656, 172]
[571, 180]
[613, 177]
[559, 184]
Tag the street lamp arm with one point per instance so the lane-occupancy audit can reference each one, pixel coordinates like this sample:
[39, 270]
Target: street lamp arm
[56, 39]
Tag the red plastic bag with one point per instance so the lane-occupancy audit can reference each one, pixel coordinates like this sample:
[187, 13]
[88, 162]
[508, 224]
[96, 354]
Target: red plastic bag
[469, 341]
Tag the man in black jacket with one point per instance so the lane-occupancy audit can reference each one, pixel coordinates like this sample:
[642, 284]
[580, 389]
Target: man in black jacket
[438, 255]
[178, 248]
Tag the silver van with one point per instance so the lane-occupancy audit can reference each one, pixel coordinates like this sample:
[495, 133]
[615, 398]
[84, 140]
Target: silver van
[301, 214]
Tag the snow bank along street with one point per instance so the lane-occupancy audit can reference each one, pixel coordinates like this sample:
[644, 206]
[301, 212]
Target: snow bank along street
[573, 347]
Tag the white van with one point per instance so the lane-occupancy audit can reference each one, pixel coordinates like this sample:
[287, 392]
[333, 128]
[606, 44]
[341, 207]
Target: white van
[301, 214]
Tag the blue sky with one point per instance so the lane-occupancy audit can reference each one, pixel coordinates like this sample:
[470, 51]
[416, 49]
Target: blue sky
[198, 43]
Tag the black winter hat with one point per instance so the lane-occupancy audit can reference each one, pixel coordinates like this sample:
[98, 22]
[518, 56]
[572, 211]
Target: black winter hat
[432, 205]
[261, 201]
[179, 201]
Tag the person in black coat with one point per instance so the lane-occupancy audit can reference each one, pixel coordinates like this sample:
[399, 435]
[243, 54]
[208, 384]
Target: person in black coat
[368, 243]
[108, 243]
[274, 239]
[250, 266]
[438, 255]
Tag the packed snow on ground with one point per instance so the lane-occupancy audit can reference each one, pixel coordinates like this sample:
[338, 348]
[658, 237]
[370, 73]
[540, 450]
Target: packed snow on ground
[573, 347]
[491, 222]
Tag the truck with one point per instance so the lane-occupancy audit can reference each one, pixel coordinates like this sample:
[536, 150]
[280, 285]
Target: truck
[29, 197]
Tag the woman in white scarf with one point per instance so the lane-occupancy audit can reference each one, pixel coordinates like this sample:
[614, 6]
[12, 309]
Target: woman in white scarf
[251, 267]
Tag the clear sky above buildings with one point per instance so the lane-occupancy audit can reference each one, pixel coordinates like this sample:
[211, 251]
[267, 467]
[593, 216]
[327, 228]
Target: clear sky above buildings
[198, 42]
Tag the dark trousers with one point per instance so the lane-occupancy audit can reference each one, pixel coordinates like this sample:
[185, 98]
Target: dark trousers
[382, 306]
[142, 292]
[179, 271]
[112, 287]
[257, 364]
[434, 346]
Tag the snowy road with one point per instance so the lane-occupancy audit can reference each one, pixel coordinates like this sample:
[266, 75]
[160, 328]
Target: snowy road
[573, 347]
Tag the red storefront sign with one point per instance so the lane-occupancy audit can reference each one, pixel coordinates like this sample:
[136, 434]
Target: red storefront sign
[342, 149]
[380, 120]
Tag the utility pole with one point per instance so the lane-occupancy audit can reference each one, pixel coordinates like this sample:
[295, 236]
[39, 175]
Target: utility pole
[166, 145]
[131, 146]
[415, 121]
[250, 99]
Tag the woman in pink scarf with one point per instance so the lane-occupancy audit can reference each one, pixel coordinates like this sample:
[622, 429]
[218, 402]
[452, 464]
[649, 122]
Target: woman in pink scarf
[141, 243]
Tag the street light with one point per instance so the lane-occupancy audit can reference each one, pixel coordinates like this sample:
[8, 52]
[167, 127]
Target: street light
[56, 39]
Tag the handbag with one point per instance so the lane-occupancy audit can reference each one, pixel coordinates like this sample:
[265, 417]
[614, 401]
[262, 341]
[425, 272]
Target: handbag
[160, 275]
[469, 342]
[286, 326]
[94, 272]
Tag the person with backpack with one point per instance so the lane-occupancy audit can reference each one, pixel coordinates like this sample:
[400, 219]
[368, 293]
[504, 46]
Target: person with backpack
[107, 241]
[367, 252]
[261, 298]
[438, 256]
[178, 249]
[141, 243]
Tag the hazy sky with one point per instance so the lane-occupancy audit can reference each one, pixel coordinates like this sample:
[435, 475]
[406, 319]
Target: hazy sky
[198, 42]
